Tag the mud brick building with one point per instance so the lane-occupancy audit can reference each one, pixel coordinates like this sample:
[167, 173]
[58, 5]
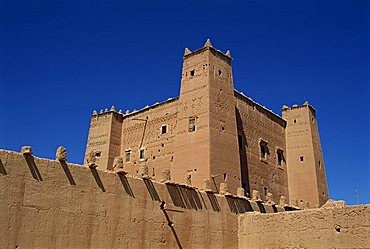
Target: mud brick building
[213, 134]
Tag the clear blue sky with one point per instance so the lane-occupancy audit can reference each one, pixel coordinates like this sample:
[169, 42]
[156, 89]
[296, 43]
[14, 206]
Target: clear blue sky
[59, 60]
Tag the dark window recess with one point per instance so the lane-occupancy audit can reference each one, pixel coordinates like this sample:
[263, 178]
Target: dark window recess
[192, 124]
[280, 157]
[225, 177]
[295, 120]
[265, 191]
[141, 154]
[164, 129]
[301, 158]
[219, 72]
[320, 164]
[264, 150]
[128, 155]
[192, 72]
[98, 154]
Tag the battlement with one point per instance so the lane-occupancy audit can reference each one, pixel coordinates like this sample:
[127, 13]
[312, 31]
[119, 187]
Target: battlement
[208, 46]
[296, 107]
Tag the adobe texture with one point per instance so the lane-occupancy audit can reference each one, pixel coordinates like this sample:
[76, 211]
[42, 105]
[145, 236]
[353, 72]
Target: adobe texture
[338, 227]
[213, 134]
[54, 204]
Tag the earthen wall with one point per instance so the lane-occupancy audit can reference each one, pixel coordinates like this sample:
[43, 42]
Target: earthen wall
[257, 125]
[143, 131]
[340, 227]
[52, 204]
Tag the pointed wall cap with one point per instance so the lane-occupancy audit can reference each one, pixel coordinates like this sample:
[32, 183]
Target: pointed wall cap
[127, 111]
[306, 103]
[228, 53]
[106, 110]
[120, 111]
[113, 108]
[187, 51]
[208, 43]
[101, 111]
[95, 113]
[285, 107]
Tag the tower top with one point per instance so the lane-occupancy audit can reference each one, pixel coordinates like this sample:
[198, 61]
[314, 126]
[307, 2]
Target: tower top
[207, 46]
[208, 43]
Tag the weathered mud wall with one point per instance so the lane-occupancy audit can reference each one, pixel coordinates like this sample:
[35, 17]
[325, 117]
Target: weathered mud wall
[345, 227]
[48, 204]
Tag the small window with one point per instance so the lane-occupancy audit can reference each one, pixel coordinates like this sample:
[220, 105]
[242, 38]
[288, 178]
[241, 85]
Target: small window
[265, 191]
[98, 154]
[192, 72]
[295, 120]
[192, 124]
[319, 164]
[128, 155]
[225, 177]
[264, 150]
[141, 154]
[163, 129]
[280, 157]
[301, 158]
[219, 73]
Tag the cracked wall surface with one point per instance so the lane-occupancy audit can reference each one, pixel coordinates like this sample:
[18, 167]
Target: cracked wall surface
[340, 227]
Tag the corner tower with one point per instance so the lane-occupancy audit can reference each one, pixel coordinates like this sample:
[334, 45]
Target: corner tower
[104, 138]
[206, 139]
[305, 164]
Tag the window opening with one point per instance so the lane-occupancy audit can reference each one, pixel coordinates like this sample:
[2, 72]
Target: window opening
[264, 150]
[98, 154]
[128, 155]
[192, 124]
[141, 154]
[301, 158]
[280, 157]
[164, 129]
[192, 72]
[265, 191]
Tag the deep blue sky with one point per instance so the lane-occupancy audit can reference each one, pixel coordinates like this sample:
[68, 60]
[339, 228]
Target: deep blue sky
[59, 60]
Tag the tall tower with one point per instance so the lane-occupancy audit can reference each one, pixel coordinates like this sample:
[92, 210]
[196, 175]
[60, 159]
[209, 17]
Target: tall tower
[104, 138]
[305, 164]
[206, 139]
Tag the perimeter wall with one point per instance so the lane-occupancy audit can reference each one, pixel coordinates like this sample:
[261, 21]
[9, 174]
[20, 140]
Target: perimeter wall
[49, 204]
[337, 227]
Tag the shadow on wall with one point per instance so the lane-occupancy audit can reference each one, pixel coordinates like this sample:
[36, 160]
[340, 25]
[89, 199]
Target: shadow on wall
[213, 200]
[261, 207]
[33, 168]
[2, 169]
[67, 172]
[151, 189]
[170, 224]
[97, 179]
[242, 143]
[184, 197]
[238, 205]
[126, 185]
